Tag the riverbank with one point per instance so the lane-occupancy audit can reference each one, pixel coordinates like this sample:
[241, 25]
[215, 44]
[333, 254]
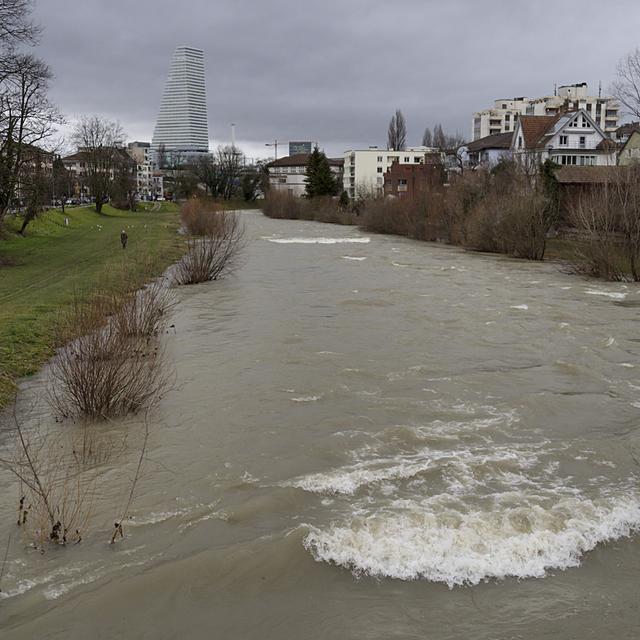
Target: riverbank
[54, 264]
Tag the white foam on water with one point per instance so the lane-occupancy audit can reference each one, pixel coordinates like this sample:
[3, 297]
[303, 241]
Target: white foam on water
[307, 398]
[462, 462]
[356, 258]
[422, 540]
[609, 294]
[319, 240]
[521, 307]
[399, 264]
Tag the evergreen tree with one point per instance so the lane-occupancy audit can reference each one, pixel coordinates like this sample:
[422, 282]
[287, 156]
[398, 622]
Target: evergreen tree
[320, 180]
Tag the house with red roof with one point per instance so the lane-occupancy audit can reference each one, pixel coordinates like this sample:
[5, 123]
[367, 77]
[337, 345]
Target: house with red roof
[568, 138]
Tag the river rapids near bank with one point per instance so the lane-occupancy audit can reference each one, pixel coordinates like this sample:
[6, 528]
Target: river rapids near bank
[368, 437]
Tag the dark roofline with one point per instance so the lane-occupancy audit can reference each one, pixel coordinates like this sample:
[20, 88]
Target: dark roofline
[302, 160]
[493, 141]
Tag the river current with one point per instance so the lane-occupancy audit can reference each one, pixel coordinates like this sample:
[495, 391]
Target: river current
[368, 437]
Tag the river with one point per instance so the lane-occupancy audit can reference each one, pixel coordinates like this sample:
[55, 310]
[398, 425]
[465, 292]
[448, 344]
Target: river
[368, 437]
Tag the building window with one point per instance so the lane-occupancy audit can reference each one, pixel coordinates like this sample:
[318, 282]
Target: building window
[407, 159]
[379, 169]
[583, 142]
[380, 181]
[379, 158]
[416, 159]
[519, 142]
[564, 141]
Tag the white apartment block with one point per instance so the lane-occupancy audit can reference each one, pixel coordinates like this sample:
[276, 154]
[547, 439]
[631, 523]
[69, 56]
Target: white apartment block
[364, 169]
[504, 115]
[149, 180]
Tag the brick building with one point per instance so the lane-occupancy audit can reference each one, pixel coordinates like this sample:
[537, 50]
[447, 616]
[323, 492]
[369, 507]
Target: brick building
[409, 180]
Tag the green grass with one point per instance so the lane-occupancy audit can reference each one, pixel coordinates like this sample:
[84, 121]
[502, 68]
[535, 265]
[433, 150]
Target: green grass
[54, 264]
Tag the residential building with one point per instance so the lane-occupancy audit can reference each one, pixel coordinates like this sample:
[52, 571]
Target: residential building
[490, 150]
[622, 134]
[630, 151]
[182, 129]
[571, 138]
[364, 169]
[409, 180]
[503, 116]
[289, 174]
[76, 165]
[149, 179]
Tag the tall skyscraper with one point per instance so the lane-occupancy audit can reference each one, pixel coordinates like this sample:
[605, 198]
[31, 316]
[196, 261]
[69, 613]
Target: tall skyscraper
[182, 128]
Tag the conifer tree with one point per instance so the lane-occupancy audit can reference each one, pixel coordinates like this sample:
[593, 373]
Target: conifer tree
[320, 180]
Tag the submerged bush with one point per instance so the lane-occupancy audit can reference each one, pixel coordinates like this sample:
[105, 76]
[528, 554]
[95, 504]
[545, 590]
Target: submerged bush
[214, 255]
[198, 216]
[117, 365]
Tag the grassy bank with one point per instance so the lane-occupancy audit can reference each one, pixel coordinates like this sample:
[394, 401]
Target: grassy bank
[42, 273]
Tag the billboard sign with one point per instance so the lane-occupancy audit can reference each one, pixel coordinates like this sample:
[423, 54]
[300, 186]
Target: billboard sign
[299, 147]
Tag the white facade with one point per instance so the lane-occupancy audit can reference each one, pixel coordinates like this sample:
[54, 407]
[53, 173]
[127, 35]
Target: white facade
[149, 180]
[504, 115]
[289, 174]
[182, 124]
[571, 139]
[364, 169]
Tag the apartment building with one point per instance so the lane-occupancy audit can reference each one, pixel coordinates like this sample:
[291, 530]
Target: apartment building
[504, 115]
[149, 180]
[364, 169]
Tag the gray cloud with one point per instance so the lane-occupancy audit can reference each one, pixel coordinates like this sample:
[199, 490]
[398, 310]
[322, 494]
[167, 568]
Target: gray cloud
[330, 71]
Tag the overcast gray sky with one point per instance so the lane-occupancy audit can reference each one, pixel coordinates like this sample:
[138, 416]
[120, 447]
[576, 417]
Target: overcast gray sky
[330, 70]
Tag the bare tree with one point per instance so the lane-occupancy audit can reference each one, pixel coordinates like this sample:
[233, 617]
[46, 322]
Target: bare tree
[397, 134]
[229, 160]
[208, 173]
[100, 141]
[626, 87]
[609, 218]
[427, 139]
[439, 139]
[27, 118]
[16, 26]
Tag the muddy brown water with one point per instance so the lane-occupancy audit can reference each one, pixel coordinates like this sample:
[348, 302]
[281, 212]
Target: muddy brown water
[368, 437]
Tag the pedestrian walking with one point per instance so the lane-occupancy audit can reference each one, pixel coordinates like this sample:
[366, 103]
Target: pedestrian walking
[123, 238]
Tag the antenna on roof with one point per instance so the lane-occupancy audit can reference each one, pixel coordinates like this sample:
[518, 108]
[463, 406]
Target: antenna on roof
[555, 88]
[600, 89]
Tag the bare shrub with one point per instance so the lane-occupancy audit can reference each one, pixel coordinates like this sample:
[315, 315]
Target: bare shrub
[320, 208]
[215, 255]
[508, 213]
[58, 476]
[117, 365]
[420, 217]
[608, 218]
[145, 312]
[199, 216]
[281, 205]
[61, 484]
[326, 209]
